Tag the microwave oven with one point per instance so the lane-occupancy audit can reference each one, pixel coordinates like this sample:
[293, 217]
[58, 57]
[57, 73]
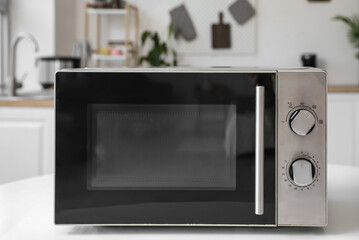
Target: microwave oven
[191, 147]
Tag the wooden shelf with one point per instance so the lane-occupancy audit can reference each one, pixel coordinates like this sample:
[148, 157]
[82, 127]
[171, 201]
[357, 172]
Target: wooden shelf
[107, 11]
[130, 51]
[343, 89]
[109, 57]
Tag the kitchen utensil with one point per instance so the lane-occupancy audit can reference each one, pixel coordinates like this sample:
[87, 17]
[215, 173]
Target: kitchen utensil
[221, 34]
[309, 60]
[49, 65]
[4, 5]
[101, 4]
[82, 49]
[118, 4]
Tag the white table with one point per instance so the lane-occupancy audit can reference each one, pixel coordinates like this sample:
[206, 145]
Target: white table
[26, 212]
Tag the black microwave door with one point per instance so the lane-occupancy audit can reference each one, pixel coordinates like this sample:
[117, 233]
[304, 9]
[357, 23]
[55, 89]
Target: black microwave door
[161, 148]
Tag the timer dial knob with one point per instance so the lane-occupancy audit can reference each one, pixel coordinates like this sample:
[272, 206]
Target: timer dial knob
[302, 172]
[302, 122]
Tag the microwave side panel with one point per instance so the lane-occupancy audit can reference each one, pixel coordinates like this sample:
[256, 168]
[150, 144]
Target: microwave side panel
[302, 145]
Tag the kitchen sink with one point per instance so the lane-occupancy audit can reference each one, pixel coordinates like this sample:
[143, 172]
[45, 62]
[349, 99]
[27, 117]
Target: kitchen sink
[25, 98]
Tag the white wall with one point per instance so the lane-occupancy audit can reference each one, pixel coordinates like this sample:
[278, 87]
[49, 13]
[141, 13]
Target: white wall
[286, 29]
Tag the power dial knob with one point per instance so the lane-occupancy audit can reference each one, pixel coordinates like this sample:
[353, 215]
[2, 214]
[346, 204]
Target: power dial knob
[302, 122]
[302, 172]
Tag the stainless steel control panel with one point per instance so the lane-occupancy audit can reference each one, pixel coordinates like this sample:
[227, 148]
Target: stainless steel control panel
[301, 148]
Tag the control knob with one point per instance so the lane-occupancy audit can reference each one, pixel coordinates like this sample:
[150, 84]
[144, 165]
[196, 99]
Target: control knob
[302, 122]
[302, 172]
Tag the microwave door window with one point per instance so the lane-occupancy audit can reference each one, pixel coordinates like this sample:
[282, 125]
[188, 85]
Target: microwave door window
[162, 147]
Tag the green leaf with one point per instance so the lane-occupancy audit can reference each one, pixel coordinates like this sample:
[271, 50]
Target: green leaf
[156, 56]
[156, 39]
[164, 48]
[170, 30]
[353, 33]
[174, 53]
[142, 59]
[144, 37]
[343, 19]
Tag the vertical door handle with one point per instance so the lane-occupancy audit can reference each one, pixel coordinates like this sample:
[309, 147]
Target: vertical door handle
[259, 151]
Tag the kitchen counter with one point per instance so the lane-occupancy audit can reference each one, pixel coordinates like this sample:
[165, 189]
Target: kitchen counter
[27, 212]
[27, 103]
[343, 89]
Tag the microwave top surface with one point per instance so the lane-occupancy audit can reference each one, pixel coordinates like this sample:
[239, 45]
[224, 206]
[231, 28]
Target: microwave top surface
[219, 69]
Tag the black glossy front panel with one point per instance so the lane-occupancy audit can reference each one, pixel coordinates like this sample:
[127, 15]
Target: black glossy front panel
[89, 105]
[162, 147]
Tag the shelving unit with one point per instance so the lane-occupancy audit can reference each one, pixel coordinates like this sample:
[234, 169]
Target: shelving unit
[106, 11]
[128, 50]
[99, 57]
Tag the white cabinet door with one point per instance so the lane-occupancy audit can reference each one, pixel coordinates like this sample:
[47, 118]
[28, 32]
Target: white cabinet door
[343, 128]
[26, 142]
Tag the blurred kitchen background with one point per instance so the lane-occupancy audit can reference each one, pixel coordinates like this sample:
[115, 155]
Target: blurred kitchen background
[278, 33]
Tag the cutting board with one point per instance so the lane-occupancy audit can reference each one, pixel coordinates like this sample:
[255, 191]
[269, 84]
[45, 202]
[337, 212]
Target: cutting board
[221, 34]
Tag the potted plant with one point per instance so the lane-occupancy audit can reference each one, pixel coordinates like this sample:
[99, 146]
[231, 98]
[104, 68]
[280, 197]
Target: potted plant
[353, 34]
[157, 56]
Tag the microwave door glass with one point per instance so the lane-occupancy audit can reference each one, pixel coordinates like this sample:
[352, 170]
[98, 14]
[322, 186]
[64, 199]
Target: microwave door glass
[162, 147]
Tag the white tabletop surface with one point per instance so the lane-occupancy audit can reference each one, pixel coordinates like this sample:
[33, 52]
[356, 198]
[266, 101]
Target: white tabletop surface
[27, 206]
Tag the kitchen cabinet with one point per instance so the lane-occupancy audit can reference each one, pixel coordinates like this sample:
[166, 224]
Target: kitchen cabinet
[26, 142]
[343, 128]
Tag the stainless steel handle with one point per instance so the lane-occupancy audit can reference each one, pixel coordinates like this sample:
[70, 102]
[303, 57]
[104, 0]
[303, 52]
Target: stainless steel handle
[259, 174]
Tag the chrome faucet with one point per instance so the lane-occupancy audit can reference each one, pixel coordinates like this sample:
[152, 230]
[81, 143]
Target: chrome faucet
[13, 84]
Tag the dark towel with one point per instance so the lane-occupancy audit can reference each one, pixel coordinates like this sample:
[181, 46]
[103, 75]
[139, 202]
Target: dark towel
[182, 23]
[242, 11]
